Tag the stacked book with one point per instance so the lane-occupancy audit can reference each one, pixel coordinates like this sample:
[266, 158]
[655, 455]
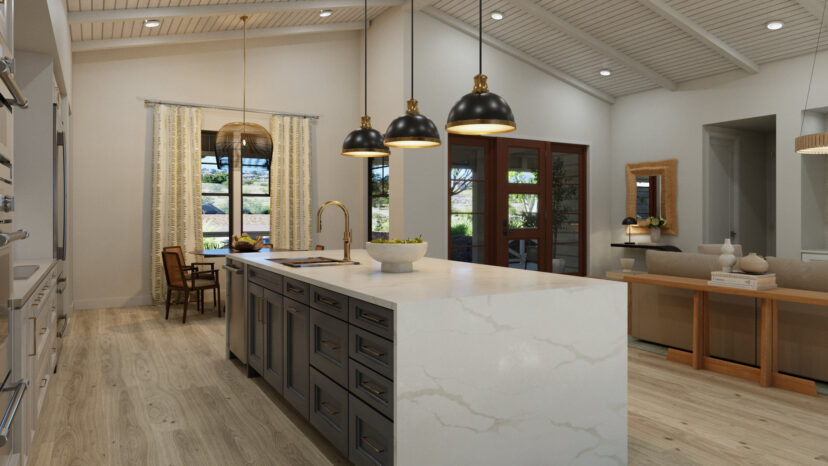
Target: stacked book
[743, 280]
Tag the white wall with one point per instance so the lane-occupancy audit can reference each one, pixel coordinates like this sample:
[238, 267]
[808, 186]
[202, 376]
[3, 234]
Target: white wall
[545, 108]
[661, 124]
[111, 156]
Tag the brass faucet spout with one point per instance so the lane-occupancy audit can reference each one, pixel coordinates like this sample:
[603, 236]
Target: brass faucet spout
[346, 237]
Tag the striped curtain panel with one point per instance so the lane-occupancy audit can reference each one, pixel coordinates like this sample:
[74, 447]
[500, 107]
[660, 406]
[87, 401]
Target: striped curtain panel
[291, 221]
[176, 186]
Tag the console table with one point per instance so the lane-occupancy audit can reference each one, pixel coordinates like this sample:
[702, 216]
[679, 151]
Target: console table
[767, 374]
[655, 246]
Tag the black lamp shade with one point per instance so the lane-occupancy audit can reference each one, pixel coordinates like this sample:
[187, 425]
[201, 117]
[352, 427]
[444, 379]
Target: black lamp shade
[365, 142]
[481, 112]
[412, 130]
[629, 221]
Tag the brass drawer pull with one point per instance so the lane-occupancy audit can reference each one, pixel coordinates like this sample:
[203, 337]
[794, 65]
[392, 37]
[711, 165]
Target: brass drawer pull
[328, 301]
[294, 289]
[292, 310]
[34, 336]
[373, 318]
[376, 391]
[371, 351]
[329, 345]
[367, 441]
[328, 410]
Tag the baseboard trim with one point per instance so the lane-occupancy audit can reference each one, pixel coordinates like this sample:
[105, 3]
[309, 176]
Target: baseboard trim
[114, 302]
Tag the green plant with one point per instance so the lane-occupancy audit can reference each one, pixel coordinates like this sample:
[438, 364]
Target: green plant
[460, 229]
[211, 243]
[656, 222]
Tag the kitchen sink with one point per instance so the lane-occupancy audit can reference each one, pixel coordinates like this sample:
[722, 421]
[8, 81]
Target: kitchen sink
[312, 262]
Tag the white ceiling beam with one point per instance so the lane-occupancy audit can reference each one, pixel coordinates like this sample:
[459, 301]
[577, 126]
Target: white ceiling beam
[814, 7]
[420, 4]
[561, 25]
[172, 39]
[701, 34]
[518, 54]
[217, 10]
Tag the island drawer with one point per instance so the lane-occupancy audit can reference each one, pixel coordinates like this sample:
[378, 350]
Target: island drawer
[329, 410]
[329, 346]
[370, 435]
[371, 317]
[372, 388]
[329, 302]
[269, 280]
[296, 290]
[375, 352]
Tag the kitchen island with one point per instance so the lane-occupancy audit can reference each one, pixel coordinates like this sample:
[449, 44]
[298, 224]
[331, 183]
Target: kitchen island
[452, 364]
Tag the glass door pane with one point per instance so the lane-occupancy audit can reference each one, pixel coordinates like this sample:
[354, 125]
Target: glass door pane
[467, 199]
[566, 193]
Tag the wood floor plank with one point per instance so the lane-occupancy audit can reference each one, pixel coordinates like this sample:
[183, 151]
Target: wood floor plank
[133, 388]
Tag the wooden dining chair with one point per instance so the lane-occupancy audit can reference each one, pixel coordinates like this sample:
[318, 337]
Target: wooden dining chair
[200, 269]
[177, 279]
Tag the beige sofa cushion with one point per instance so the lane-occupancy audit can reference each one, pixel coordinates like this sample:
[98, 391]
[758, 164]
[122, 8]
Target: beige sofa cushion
[682, 264]
[794, 273]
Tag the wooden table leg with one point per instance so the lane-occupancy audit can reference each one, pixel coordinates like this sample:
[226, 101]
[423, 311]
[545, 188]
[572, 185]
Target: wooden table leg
[766, 349]
[698, 330]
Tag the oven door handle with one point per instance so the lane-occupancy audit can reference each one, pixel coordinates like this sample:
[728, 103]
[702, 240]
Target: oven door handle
[6, 238]
[11, 410]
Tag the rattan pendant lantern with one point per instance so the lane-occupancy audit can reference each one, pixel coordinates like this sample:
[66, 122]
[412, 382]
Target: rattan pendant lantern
[816, 143]
[247, 140]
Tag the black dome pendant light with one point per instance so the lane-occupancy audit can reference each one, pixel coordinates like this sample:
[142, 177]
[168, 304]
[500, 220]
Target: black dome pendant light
[365, 141]
[412, 130]
[481, 111]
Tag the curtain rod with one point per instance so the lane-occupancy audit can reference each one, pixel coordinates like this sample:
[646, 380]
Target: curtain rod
[225, 107]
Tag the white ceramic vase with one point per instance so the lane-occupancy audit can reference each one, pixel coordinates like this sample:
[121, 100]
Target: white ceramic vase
[727, 260]
[753, 263]
[655, 235]
[627, 264]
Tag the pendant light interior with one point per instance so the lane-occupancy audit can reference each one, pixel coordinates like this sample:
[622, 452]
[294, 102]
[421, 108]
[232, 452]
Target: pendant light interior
[817, 143]
[481, 112]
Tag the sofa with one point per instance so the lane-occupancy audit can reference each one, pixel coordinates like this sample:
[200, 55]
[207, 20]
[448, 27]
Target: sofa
[664, 315]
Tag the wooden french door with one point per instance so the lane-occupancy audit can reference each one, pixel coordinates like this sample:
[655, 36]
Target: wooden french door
[517, 203]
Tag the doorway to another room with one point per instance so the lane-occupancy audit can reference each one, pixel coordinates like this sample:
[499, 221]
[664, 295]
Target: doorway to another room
[740, 184]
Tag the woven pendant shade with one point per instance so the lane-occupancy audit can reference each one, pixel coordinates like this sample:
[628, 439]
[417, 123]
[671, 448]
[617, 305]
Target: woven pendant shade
[812, 144]
[251, 140]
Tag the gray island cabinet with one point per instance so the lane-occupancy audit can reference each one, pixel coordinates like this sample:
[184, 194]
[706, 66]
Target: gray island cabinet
[454, 363]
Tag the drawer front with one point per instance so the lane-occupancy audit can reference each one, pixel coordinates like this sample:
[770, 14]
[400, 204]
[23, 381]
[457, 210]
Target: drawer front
[296, 290]
[370, 435]
[329, 410]
[296, 369]
[269, 280]
[372, 388]
[375, 352]
[371, 317]
[329, 346]
[329, 302]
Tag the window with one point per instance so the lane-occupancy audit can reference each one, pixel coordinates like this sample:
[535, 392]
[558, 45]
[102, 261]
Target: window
[216, 194]
[378, 197]
[255, 173]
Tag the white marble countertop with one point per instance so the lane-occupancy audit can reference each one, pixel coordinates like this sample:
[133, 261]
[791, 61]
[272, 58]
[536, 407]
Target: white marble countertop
[22, 289]
[432, 279]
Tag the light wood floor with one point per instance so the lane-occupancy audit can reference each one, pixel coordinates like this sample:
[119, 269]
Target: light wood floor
[135, 389]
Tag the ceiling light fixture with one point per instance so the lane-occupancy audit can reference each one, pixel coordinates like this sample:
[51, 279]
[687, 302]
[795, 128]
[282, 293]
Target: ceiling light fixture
[816, 143]
[152, 23]
[412, 130]
[325, 13]
[365, 141]
[605, 72]
[775, 25]
[497, 16]
[243, 139]
[480, 111]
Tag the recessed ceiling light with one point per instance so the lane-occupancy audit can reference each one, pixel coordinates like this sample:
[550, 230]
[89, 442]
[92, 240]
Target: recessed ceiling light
[497, 16]
[774, 25]
[605, 72]
[152, 23]
[325, 13]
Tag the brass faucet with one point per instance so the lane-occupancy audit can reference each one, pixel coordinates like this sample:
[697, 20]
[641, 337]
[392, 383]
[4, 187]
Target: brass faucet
[346, 238]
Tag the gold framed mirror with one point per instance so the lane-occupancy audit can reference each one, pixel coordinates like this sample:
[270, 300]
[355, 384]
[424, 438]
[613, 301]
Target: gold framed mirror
[651, 192]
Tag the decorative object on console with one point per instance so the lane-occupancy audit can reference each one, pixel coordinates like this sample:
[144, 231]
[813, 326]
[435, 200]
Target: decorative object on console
[753, 263]
[480, 111]
[365, 141]
[743, 280]
[246, 243]
[250, 139]
[727, 260]
[627, 264]
[655, 224]
[412, 130]
[628, 223]
[399, 256]
[816, 143]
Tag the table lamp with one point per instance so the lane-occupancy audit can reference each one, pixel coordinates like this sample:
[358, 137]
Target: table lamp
[627, 222]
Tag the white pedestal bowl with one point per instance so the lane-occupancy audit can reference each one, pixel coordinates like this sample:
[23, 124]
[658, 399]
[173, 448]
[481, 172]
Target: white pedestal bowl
[397, 257]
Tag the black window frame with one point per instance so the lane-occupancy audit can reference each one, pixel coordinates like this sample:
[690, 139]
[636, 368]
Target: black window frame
[386, 163]
[243, 195]
[211, 150]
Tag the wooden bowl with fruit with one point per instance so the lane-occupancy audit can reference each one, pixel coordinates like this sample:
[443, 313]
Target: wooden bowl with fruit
[396, 255]
[245, 243]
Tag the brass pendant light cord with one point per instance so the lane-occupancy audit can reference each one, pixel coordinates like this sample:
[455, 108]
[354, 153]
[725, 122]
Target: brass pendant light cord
[244, 73]
[480, 37]
[365, 53]
[813, 65]
[412, 49]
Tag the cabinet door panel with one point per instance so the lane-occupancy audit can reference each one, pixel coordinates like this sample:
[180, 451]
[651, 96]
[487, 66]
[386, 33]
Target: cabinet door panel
[329, 410]
[370, 435]
[274, 340]
[329, 346]
[255, 329]
[297, 344]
